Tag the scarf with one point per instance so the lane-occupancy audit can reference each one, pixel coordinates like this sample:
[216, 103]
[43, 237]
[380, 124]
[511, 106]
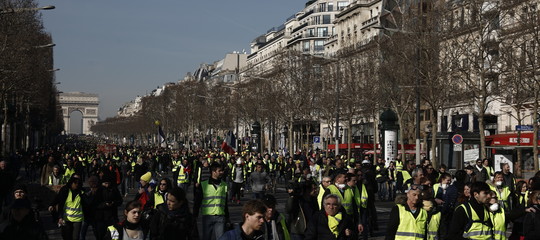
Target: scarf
[130, 226]
[333, 222]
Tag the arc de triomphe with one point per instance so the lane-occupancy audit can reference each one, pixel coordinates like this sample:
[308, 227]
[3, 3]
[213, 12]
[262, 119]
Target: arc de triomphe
[86, 103]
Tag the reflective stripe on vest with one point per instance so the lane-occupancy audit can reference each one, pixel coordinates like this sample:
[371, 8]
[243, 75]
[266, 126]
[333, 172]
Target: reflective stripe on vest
[320, 196]
[409, 227]
[73, 208]
[478, 230]
[399, 166]
[433, 226]
[499, 224]
[347, 197]
[182, 175]
[213, 202]
[115, 235]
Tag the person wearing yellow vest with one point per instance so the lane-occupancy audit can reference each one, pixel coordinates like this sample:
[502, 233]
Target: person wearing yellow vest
[503, 192]
[360, 199]
[214, 207]
[408, 220]
[489, 169]
[404, 175]
[274, 226]
[445, 196]
[56, 178]
[184, 175]
[472, 220]
[160, 194]
[498, 218]
[346, 195]
[69, 204]
[331, 222]
[68, 169]
[326, 181]
[130, 226]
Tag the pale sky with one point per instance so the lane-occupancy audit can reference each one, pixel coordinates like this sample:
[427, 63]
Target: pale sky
[119, 49]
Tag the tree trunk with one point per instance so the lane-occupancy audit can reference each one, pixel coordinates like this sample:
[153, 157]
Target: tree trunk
[535, 134]
[434, 122]
[349, 139]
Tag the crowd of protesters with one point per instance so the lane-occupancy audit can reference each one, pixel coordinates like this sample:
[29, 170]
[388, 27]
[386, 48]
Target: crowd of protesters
[329, 197]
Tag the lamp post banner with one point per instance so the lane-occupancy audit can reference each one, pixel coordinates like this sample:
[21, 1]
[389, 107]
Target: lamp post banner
[390, 146]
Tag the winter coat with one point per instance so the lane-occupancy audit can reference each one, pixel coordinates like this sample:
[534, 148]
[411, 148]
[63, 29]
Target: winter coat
[179, 224]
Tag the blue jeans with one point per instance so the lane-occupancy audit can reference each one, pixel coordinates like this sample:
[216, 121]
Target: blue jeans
[213, 224]
[382, 191]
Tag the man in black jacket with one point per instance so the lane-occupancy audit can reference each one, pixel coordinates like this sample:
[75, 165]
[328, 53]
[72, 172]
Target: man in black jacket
[462, 222]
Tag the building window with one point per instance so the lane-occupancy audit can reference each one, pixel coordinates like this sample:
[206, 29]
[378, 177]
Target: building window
[326, 19]
[306, 46]
[311, 32]
[322, 32]
[341, 5]
[330, 7]
[319, 45]
[322, 7]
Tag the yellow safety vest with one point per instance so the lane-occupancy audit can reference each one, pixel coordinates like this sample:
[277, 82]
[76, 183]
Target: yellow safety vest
[68, 173]
[523, 199]
[433, 226]
[406, 175]
[115, 235]
[158, 199]
[499, 225]
[436, 189]
[286, 234]
[478, 230]
[214, 199]
[503, 195]
[361, 199]
[347, 197]
[182, 175]
[399, 166]
[320, 196]
[410, 227]
[73, 208]
[60, 182]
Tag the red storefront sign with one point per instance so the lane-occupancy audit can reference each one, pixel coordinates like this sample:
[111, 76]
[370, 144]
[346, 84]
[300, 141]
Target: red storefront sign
[510, 139]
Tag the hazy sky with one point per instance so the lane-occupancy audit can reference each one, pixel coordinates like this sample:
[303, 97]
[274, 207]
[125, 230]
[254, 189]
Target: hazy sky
[119, 49]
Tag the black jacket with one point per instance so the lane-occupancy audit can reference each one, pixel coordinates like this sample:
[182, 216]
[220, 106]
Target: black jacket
[318, 228]
[108, 200]
[179, 224]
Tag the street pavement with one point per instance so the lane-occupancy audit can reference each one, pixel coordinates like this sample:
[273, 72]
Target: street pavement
[383, 211]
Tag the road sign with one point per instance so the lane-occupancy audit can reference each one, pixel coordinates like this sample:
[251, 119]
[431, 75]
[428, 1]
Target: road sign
[458, 147]
[457, 139]
[524, 128]
[317, 139]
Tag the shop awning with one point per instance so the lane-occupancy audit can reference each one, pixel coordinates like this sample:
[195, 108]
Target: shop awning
[510, 139]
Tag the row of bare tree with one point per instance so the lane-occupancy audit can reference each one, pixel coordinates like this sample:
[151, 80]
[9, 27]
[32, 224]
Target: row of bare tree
[462, 54]
[28, 95]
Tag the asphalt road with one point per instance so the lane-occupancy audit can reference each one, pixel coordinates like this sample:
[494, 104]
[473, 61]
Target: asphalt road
[383, 210]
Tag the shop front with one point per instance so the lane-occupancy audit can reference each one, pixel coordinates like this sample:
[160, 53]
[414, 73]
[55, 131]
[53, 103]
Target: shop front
[514, 149]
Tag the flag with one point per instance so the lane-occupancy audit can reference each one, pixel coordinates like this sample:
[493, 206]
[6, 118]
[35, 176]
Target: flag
[161, 137]
[229, 143]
